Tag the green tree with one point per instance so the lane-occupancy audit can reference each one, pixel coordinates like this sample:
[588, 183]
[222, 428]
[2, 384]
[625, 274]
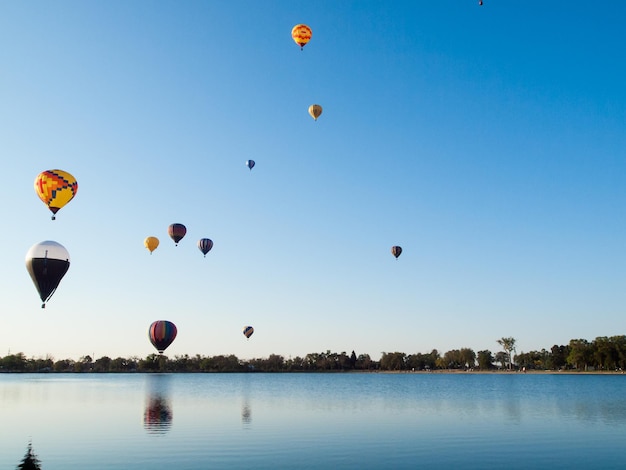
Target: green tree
[182, 363]
[559, 356]
[453, 359]
[581, 354]
[464, 358]
[121, 364]
[102, 365]
[393, 361]
[295, 364]
[223, 363]
[332, 360]
[365, 362]
[431, 359]
[501, 358]
[39, 364]
[14, 363]
[275, 363]
[63, 365]
[604, 353]
[153, 363]
[620, 347]
[345, 361]
[485, 360]
[468, 358]
[312, 360]
[84, 364]
[416, 361]
[441, 363]
[508, 344]
[538, 360]
[352, 360]
[420, 361]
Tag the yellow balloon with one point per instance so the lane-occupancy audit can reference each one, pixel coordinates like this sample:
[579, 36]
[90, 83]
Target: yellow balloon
[315, 110]
[151, 243]
[55, 188]
[301, 34]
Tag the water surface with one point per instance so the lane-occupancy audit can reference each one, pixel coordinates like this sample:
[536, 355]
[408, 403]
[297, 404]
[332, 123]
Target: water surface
[313, 421]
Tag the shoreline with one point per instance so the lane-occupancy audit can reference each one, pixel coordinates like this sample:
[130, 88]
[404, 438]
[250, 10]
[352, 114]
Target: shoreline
[422, 372]
[499, 372]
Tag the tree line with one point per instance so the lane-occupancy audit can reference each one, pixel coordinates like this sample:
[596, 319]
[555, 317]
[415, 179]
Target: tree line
[602, 354]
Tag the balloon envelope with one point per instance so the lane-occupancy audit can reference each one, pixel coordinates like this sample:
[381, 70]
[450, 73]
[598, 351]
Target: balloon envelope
[396, 251]
[301, 34]
[205, 245]
[55, 188]
[177, 232]
[247, 331]
[47, 262]
[315, 110]
[151, 243]
[250, 164]
[161, 334]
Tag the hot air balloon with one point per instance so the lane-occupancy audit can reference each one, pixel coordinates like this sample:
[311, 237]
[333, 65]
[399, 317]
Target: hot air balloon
[151, 243]
[55, 188]
[301, 34]
[176, 232]
[315, 110]
[161, 334]
[205, 245]
[250, 164]
[247, 331]
[396, 251]
[47, 262]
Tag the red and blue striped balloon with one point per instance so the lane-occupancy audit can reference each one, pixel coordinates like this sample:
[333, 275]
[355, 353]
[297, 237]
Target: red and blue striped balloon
[161, 334]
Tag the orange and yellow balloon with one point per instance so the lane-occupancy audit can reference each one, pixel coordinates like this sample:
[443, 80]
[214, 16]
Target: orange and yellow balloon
[151, 243]
[315, 110]
[301, 34]
[55, 188]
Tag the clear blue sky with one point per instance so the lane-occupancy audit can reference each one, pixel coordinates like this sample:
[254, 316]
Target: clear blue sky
[489, 142]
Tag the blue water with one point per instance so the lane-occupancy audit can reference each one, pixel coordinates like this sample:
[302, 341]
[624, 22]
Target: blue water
[313, 421]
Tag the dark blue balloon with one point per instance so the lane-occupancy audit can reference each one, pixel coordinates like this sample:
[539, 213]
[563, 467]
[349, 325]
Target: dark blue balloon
[205, 245]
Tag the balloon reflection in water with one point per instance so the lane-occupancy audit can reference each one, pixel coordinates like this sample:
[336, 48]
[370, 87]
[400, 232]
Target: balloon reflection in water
[157, 418]
[158, 415]
[246, 413]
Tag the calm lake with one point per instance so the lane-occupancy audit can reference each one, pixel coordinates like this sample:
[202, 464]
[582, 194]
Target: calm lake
[316, 421]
